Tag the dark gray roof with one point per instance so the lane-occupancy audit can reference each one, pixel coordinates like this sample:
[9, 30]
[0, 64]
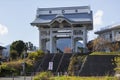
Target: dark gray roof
[108, 28]
[61, 8]
[78, 17]
[82, 15]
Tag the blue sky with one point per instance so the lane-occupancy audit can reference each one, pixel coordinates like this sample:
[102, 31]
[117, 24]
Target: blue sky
[16, 16]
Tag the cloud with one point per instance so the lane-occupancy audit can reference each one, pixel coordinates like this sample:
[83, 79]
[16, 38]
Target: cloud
[97, 18]
[3, 30]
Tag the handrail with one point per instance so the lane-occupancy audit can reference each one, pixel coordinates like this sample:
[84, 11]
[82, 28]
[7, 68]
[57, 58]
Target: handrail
[41, 63]
[60, 51]
[82, 65]
[60, 63]
[53, 57]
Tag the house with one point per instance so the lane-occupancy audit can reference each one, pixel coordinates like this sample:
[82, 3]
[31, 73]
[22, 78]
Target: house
[110, 33]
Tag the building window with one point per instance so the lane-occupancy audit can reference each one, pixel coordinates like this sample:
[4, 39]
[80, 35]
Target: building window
[50, 12]
[78, 32]
[76, 10]
[110, 36]
[63, 11]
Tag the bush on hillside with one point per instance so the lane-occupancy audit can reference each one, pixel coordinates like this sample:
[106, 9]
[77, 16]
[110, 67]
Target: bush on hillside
[105, 53]
[35, 55]
[75, 64]
[29, 66]
[73, 61]
[13, 54]
[8, 68]
[13, 66]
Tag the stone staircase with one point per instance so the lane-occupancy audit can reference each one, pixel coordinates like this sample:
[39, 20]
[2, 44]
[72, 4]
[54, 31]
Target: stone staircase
[60, 62]
[63, 67]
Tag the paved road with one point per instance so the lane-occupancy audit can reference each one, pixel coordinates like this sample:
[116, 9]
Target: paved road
[16, 78]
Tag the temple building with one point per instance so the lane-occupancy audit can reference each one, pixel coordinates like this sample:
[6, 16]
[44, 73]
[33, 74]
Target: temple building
[63, 22]
[1, 51]
[110, 33]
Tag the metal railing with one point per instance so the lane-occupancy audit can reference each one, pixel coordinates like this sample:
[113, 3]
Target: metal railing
[60, 62]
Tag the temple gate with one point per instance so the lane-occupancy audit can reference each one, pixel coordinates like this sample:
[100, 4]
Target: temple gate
[63, 22]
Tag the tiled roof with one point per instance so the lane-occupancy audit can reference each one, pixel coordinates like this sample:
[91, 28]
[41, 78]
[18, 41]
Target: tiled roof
[72, 14]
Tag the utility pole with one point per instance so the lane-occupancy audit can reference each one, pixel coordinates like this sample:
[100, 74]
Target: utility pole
[24, 65]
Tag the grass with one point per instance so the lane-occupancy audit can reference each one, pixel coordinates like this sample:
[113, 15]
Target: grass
[83, 78]
[105, 53]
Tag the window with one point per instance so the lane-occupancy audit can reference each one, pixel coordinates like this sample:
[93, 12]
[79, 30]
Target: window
[50, 12]
[63, 11]
[110, 36]
[76, 10]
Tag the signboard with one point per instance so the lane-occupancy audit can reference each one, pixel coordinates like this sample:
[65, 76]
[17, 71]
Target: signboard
[50, 67]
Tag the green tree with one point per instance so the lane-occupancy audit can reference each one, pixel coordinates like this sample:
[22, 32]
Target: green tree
[13, 54]
[90, 45]
[19, 46]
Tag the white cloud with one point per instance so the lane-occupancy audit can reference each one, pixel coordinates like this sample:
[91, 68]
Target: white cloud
[3, 29]
[97, 18]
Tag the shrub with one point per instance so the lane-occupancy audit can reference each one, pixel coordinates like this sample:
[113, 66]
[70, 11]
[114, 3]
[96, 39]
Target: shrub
[75, 60]
[13, 54]
[35, 55]
[6, 70]
[13, 66]
[29, 66]
[43, 76]
[105, 53]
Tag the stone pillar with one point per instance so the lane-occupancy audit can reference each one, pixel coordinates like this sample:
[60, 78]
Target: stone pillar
[75, 48]
[51, 41]
[54, 45]
[113, 36]
[72, 41]
[44, 45]
[40, 40]
[85, 39]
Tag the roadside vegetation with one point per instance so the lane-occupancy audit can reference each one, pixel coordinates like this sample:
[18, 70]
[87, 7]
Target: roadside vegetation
[83, 78]
[105, 53]
[50, 76]
[19, 58]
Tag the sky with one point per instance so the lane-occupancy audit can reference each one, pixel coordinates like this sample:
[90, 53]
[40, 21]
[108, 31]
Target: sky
[16, 16]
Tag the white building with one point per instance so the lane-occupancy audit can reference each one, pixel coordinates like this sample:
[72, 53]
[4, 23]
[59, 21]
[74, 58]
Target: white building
[110, 33]
[63, 22]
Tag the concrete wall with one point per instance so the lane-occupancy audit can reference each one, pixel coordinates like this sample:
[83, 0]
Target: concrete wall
[99, 65]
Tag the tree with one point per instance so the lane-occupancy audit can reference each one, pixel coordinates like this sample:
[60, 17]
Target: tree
[30, 46]
[100, 44]
[90, 46]
[114, 46]
[18, 46]
[13, 54]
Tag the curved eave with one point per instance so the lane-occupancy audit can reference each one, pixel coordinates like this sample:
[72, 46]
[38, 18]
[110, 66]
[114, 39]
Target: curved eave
[72, 22]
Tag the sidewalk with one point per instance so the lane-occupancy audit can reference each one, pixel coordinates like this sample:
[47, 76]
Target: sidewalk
[17, 78]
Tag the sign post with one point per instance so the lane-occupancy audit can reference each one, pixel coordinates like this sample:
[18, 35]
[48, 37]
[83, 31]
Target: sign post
[50, 67]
